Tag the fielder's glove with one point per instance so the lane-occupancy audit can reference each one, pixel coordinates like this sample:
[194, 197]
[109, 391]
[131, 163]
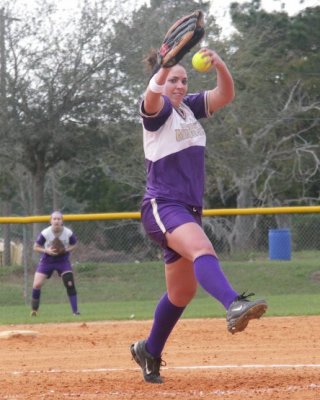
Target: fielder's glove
[180, 38]
[58, 246]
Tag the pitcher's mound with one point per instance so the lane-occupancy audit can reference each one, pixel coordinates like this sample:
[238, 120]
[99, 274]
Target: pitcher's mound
[17, 333]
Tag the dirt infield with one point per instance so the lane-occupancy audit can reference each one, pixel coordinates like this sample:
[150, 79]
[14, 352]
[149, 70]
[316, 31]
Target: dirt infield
[275, 358]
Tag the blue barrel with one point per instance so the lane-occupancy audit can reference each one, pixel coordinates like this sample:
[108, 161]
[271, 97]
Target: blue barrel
[279, 244]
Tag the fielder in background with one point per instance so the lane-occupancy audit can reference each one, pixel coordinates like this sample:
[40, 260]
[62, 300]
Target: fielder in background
[174, 147]
[55, 243]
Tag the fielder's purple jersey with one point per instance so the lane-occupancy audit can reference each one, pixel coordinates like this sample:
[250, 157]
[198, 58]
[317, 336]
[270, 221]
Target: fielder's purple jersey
[45, 239]
[174, 146]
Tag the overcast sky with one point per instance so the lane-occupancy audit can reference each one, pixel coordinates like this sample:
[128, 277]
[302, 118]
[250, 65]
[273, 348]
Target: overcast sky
[218, 7]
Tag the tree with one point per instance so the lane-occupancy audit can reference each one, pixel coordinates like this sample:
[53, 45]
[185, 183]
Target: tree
[264, 151]
[61, 88]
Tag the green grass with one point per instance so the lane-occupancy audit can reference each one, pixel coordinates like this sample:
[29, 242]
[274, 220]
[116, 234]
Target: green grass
[124, 291]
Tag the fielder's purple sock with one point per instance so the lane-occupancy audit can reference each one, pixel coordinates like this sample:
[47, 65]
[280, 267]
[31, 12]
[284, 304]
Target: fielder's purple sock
[165, 317]
[74, 303]
[35, 301]
[211, 277]
[36, 293]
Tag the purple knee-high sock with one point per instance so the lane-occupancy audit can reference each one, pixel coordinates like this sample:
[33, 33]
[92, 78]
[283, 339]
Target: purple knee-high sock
[211, 277]
[165, 317]
[73, 303]
[35, 301]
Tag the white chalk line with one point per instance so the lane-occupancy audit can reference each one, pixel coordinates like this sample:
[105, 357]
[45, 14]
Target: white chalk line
[190, 367]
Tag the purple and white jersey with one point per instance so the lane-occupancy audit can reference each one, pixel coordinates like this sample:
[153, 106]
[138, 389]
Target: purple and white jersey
[174, 146]
[46, 238]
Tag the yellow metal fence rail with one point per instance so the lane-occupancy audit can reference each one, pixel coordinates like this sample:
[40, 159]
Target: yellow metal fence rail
[136, 215]
[119, 236]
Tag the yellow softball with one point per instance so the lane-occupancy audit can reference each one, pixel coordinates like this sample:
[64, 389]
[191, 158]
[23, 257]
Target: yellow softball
[200, 63]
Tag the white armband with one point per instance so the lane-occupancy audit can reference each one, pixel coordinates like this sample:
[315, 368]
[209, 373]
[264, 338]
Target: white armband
[154, 86]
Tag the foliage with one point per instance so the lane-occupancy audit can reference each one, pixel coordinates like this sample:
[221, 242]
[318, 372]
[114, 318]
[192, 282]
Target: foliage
[275, 126]
[98, 192]
[58, 88]
[263, 149]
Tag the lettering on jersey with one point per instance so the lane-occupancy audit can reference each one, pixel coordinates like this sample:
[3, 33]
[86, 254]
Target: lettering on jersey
[189, 131]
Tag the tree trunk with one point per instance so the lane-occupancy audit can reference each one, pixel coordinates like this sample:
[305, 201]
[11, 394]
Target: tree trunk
[243, 225]
[56, 201]
[6, 236]
[38, 182]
